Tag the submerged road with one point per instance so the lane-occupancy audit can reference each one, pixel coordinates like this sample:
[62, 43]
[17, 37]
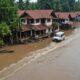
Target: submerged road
[60, 64]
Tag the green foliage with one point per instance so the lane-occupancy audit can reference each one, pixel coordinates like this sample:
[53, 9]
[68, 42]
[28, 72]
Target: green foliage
[21, 4]
[16, 24]
[1, 42]
[4, 29]
[7, 11]
[65, 5]
[77, 6]
[43, 4]
[55, 25]
[56, 5]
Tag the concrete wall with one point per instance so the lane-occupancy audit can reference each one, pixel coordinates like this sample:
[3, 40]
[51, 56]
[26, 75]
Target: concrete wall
[48, 23]
[36, 23]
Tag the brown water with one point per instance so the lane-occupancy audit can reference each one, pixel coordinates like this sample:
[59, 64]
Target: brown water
[61, 64]
[12, 54]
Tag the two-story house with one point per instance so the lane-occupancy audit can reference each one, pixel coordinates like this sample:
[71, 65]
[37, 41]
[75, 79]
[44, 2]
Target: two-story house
[36, 22]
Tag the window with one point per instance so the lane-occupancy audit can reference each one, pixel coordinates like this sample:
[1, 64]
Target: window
[23, 20]
[37, 20]
[31, 21]
[67, 19]
[48, 20]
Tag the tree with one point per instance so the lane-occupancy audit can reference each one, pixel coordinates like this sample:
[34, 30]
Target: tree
[16, 28]
[65, 5]
[21, 4]
[7, 11]
[71, 4]
[57, 5]
[50, 4]
[1, 43]
[55, 26]
[43, 4]
[4, 31]
[27, 5]
[77, 5]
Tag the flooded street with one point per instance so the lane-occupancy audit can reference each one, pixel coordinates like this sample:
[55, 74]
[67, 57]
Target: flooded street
[59, 64]
[12, 54]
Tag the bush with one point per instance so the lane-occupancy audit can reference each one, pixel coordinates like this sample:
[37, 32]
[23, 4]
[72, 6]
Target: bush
[55, 25]
[1, 42]
[4, 29]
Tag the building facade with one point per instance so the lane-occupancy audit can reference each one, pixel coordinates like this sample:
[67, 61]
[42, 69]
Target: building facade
[36, 22]
[39, 22]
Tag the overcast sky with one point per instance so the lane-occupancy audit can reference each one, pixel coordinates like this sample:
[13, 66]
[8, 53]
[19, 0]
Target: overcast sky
[30, 0]
[33, 0]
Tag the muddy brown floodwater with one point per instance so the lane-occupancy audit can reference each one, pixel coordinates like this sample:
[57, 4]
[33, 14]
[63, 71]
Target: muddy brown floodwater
[12, 54]
[60, 64]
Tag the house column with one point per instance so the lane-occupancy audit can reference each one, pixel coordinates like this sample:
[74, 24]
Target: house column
[51, 21]
[34, 21]
[25, 21]
[31, 33]
[45, 21]
[26, 34]
[47, 31]
[50, 30]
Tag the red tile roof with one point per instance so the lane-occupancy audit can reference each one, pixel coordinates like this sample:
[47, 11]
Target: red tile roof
[65, 15]
[73, 14]
[62, 15]
[39, 28]
[36, 28]
[35, 14]
[20, 12]
[25, 28]
[78, 13]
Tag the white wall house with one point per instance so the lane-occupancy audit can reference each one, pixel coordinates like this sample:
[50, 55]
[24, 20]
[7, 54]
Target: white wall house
[66, 20]
[31, 22]
[36, 22]
[48, 22]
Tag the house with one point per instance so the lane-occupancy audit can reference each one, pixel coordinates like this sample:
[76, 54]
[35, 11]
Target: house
[39, 22]
[66, 16]
[78, 16]
[36, 22]
[62, 16]
[65, 19]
